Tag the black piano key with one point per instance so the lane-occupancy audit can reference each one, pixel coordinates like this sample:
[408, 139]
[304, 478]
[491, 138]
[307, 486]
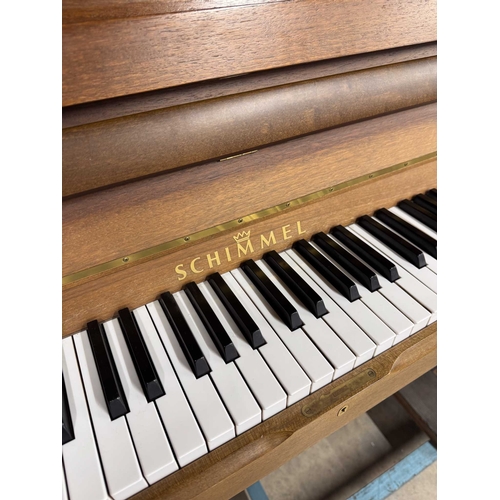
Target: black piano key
[409, 231]
[362, 273]
[108, 374]
[192, 351]
[366, 252]
[421, 214]
[426, 202]
[146, 371]
[311, 300]
[333, 274]
[68, 433]
[239, 314]
[284, 309]
[402, 247]
[214, 327]
[433, 193]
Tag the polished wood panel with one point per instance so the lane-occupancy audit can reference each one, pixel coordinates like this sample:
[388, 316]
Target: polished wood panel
[244, 460]
[107, 109]
[113, 223]
[104, 59]
[126, 148]
[134, 286]
[77, 11]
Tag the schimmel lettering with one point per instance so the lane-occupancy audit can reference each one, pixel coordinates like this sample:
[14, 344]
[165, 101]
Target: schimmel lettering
[182, 274]
[211, 260]
[267, 242]
[243, 245]
[245, 249]
[287, 233]
[197, 271]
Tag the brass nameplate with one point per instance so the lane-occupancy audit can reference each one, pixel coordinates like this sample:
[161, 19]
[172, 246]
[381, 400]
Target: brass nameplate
[340, 393]
[160, 250]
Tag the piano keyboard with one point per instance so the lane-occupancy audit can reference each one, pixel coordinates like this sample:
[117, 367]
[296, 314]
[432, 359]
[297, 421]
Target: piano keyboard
[156, 388]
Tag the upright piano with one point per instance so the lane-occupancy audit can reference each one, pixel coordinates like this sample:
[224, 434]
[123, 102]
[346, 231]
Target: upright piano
[249, 233]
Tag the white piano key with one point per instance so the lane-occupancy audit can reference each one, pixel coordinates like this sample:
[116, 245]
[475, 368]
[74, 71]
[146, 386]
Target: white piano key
[419, 292]
[119, 461]
[425, 275]
[182, 429]
[384, 309]
[151, 443]
[414, 222]
[210, 412]
[235, 394]
[395, 294]
[373, 326]
[332, 347]
[64, 488]
[285, 368]
[415, 288]
[259, 378]
[84, 475]
[317, 368]
[429, 259]
[358, 342]
[411, 308]
[431, 262]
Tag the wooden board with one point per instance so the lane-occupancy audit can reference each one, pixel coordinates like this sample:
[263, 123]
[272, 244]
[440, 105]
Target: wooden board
[127, 148]
[113, 223]
[108, 109]
[133, 286]
[77, 11]
[115, 57]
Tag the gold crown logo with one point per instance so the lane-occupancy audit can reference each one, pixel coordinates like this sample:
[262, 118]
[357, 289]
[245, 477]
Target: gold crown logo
[244, 236]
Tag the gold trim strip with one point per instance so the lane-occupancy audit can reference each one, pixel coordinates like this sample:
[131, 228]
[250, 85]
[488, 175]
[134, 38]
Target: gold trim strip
[163, 247]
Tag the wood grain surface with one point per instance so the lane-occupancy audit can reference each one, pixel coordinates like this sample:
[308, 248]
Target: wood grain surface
[116, 57]
[115, 222]
[133, 286]
[127, 148]
[107, 109]
[77, 11]
[239, 463]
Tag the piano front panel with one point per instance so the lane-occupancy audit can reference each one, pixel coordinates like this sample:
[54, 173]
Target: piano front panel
[108, 152]
[75, 11]
[134, 286]
[73, 116]
[152, 211]
[115, 57]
